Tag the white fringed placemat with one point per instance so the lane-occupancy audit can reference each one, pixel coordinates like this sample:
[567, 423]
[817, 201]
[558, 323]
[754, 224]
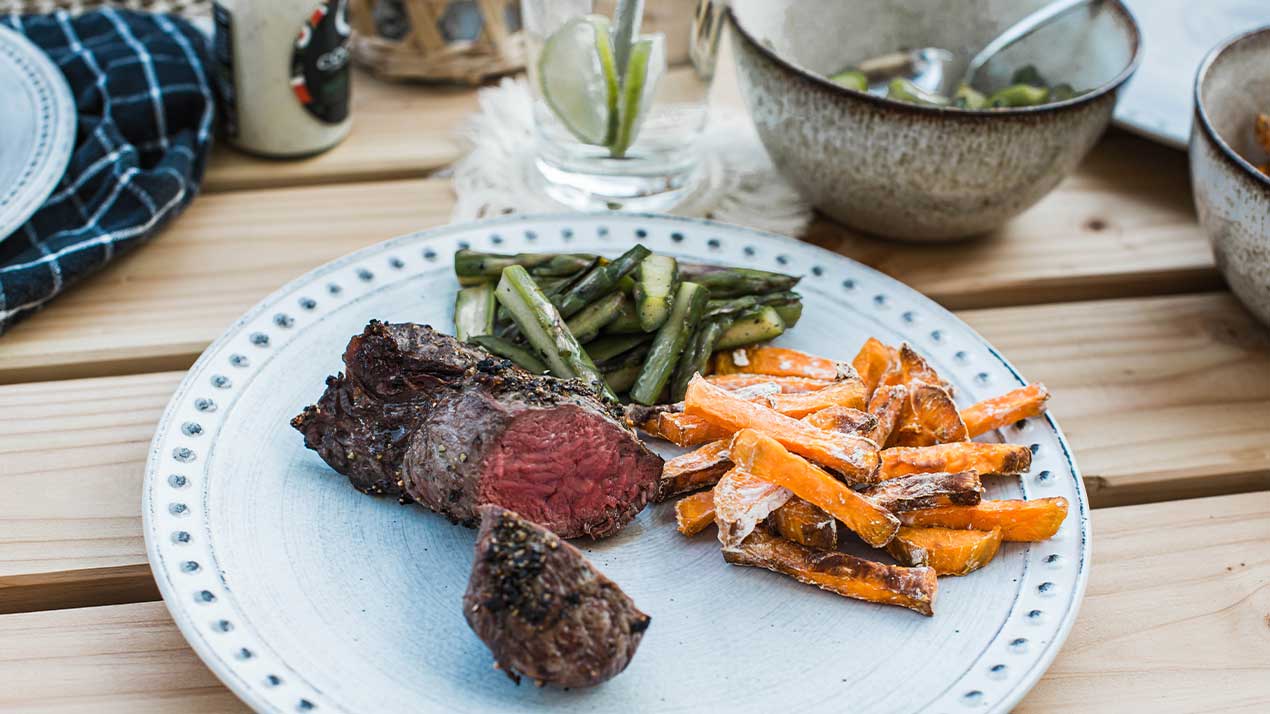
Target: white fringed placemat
[498, 176]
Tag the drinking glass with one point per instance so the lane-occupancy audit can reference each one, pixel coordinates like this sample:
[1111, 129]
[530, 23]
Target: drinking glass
[620, 93]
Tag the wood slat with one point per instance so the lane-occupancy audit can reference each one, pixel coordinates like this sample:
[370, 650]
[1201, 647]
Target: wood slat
[1162, 398]
[159, 307]
[1122, 226]
[1174, 621]
[399, 131]
[1177, 613]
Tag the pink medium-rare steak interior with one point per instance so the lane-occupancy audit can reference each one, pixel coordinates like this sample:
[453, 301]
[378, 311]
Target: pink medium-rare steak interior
[567, 470]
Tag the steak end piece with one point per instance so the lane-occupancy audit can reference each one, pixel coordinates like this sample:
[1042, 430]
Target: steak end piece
[424, 417]
[543, 610]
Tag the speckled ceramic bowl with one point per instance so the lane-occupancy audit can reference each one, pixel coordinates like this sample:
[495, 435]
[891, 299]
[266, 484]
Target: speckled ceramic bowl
[920, 172]
[1231, 195]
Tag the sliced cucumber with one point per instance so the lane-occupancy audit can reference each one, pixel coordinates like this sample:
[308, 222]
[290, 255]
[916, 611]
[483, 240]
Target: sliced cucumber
[474, 312]
[655, 281]
[759, 325]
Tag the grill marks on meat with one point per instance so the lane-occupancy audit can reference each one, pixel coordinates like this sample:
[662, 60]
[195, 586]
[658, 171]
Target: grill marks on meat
[543, 610]
[423, 417]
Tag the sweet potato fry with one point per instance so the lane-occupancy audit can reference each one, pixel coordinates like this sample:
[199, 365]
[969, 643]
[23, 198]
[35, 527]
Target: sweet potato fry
[843, 393]
[930, 418]
[788, 385]
[856, 458]
[948, 551]
[742, 500]
[1006, 409]
[1003, 459]
[683, 429]
[693, 513]
[887, 405]
[914, 588]
[693, 471]
[780, 362]
[1018, 520]
[917, 491]
[874, 360]
[842, 419]
[805, 524]
[767, 459]
[913, 367]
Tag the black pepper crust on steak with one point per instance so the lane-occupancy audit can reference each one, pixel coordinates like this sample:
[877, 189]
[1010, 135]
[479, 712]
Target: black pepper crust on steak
[543, 610]
[423, 417]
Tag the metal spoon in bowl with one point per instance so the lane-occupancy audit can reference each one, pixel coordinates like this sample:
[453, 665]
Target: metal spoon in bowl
[941, 72]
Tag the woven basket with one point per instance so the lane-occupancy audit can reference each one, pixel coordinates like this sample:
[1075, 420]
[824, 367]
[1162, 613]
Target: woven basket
[451, 40]
[191, 8]
[472, 40]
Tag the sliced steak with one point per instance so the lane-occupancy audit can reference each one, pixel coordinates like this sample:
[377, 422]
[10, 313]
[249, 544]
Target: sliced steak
[423, 417]
[543, 610]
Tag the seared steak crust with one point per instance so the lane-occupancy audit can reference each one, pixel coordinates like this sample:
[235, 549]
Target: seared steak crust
[543, 610]
[423, 417]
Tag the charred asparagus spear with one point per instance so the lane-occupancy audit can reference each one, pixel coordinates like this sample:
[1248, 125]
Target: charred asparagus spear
[697, 355]
[621, 373]
[603, 349]
[668, 346]
[474, 312]
[474, 267]
[627, 322]
[510, 350]
[599, 281]
[587, 324]
[545, 330]
[735, 282]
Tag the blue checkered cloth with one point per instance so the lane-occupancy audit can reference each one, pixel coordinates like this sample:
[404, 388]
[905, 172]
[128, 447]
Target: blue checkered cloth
[146, 107]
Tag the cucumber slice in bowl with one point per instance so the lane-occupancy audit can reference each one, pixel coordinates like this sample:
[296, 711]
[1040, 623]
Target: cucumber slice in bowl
[578, 77]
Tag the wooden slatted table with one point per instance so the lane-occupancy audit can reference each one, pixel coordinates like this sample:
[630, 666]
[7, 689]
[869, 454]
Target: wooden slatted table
[1106, 291]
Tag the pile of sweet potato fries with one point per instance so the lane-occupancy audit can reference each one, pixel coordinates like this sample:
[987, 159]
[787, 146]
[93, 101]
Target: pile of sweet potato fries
[793, 448]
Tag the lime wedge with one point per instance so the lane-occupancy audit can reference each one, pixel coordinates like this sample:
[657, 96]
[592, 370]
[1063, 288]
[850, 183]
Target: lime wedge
[579, 78]
[644, 69]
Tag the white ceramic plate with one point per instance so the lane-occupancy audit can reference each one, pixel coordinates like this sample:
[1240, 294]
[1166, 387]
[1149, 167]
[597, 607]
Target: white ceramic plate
[303, 594]
[1158, 102]
[37, 129]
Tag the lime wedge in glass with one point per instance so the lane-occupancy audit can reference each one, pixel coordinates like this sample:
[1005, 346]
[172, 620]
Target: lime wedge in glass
[579, 78]
[644, 69]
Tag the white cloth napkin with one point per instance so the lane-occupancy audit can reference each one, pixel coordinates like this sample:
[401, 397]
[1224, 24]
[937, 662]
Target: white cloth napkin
[497, 177]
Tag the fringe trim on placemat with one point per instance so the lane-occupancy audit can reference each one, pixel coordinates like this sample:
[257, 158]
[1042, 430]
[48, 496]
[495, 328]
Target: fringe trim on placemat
[497, 177]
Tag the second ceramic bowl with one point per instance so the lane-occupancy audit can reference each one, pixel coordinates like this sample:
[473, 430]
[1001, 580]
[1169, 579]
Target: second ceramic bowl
[1232, 196]
[921, 172]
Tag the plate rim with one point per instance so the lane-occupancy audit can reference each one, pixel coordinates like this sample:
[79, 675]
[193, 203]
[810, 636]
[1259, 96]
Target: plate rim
[50, 164]
[223, 670]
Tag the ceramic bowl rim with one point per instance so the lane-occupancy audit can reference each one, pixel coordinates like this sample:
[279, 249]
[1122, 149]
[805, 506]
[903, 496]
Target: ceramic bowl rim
[1202, 122]
[1135, 38]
